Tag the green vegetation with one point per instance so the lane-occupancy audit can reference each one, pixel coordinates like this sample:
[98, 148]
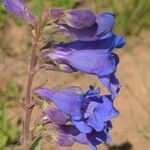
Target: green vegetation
[8, 126]
[132, 15]
[2, 15]
[8, 130]
[61, 3]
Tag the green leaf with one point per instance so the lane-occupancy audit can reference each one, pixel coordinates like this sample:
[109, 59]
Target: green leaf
[36, 145]
[4, 118]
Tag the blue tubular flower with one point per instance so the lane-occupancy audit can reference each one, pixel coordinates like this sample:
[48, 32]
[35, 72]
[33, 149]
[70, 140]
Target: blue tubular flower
[101, 63]
[108, 43]
[92, 52]
[104, 24]
[19, 9]
[92, 139]
[68, 101]
[87, 110]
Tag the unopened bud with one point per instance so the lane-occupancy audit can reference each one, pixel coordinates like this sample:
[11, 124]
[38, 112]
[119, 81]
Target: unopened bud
[20, 10]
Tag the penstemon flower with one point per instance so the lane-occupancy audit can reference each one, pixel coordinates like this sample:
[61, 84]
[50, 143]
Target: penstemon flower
[104, 24]
[89, 113]
[92, 52]
[103, 64]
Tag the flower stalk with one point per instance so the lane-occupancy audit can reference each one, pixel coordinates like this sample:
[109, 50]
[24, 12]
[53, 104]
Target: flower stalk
[28, 100]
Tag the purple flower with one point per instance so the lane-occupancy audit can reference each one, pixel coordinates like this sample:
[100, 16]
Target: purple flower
[88, 110]
[79, 18]
[101, 63]
[20, 10]
[92, 52]
[66, 135]
[103, 24]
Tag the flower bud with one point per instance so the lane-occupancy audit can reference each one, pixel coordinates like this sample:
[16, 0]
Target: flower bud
[20, 10]
[79, 18]
[56, 13]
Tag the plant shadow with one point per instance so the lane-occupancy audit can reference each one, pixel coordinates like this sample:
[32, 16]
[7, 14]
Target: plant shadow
[123, 146]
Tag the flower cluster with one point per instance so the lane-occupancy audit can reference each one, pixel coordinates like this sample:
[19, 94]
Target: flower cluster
[91, 52]
[74, 115]
[78, 116]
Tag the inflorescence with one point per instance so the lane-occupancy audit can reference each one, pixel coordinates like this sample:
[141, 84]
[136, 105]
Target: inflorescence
[72, 115]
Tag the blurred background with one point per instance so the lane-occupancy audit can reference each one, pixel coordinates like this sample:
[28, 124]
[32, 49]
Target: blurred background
[132, 128]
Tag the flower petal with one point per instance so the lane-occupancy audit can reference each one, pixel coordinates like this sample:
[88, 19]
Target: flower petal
[119, 42]
[97, 138]
[105, 23]
[102, 63]
[107, 43]
[44, 93]
[56, 115]
[82, 126]
[84, 34]
[96, 122]
[112, 84]
[68, 102]
[79, 18]
[99, 110]
[105, 111]
[70, 129]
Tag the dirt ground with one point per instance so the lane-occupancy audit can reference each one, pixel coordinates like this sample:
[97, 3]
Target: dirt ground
[131, 130]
